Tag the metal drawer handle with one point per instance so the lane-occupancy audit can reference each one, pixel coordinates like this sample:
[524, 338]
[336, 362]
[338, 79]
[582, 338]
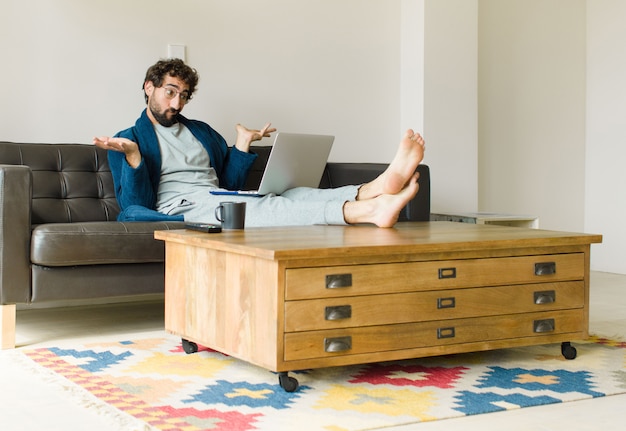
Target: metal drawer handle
[545, 325]
[447, 273]
[338, 344]
[545, 297]
[334, 281]
[445, 333]
[338, 312]
[545, 268]
[446, 303]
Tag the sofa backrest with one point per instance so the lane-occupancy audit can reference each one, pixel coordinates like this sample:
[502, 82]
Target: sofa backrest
[70, 182]
[73, 183]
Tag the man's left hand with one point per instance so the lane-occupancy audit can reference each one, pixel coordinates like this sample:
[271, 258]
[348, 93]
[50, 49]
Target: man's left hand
[246, 136]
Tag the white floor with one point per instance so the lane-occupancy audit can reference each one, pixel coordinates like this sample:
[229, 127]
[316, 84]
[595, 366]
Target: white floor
[27, 403]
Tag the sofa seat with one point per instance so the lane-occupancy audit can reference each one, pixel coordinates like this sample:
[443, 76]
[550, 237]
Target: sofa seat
[97, 243]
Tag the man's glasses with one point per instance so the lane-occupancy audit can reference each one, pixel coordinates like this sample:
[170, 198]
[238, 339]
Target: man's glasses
[171, 92]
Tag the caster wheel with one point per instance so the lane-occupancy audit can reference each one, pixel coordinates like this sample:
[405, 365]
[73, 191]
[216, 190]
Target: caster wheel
[289, 384]
[189, 346]
[568, 351]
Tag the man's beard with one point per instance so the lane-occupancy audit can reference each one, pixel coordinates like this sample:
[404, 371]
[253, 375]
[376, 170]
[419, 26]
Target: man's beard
[162, 117]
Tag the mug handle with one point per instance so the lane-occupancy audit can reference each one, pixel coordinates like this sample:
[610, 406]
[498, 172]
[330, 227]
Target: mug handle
[218, 213]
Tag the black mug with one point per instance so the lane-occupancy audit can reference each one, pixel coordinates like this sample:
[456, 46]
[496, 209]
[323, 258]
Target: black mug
[232, 215]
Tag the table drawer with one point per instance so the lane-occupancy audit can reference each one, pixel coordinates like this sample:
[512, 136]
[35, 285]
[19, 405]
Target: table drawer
[334, 281]
[352, 341]
[371, 310]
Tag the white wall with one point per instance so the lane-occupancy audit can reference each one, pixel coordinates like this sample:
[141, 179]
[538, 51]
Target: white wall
[532, 110]
[412, 64]
[74, 68]
[351, 68]
[450, 103]
[605, 206]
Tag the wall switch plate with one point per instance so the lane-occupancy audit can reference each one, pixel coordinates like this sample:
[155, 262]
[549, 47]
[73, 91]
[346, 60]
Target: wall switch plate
[176, 51]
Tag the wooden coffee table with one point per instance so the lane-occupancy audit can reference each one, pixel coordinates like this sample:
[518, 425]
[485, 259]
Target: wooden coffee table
[295, 298]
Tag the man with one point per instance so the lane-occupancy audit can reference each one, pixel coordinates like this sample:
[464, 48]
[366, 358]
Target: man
[165, 165]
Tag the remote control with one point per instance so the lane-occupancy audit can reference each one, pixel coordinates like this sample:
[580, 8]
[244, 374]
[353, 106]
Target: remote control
[203, 227]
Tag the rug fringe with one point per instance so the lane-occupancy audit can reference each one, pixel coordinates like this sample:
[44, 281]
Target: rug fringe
[80, 396]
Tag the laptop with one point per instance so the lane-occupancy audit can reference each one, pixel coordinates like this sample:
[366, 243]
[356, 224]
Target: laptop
[296, 160]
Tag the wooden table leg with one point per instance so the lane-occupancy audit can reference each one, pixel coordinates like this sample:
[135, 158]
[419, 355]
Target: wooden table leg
[7, 326]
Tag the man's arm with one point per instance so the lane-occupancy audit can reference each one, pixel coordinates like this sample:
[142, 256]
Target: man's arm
[130, 174]
[122, 145]
[230, 163]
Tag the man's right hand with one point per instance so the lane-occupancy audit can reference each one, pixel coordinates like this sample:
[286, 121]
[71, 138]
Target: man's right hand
[122, 145]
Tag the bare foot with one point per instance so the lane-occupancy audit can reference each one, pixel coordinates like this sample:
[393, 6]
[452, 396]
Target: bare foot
[410, 153]
[383, 210]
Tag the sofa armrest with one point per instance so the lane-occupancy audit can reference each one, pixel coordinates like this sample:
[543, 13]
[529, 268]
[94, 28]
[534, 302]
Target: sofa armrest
[15, 230]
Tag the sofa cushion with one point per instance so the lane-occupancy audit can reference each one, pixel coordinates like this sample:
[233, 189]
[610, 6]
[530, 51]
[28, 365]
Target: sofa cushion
[93, 243]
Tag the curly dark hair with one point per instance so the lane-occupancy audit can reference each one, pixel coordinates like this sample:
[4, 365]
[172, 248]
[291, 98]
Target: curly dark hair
[174, 67]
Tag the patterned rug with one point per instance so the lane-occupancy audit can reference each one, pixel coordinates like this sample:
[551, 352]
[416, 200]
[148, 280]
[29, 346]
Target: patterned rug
[155, 384]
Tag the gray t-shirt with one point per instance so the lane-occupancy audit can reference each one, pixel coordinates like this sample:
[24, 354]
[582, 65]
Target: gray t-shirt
[185, 167]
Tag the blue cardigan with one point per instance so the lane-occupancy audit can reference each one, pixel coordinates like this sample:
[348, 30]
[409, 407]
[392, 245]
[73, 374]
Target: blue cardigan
[137, 187]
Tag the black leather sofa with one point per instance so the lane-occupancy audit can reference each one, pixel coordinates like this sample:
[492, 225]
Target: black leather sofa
[59, 238]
